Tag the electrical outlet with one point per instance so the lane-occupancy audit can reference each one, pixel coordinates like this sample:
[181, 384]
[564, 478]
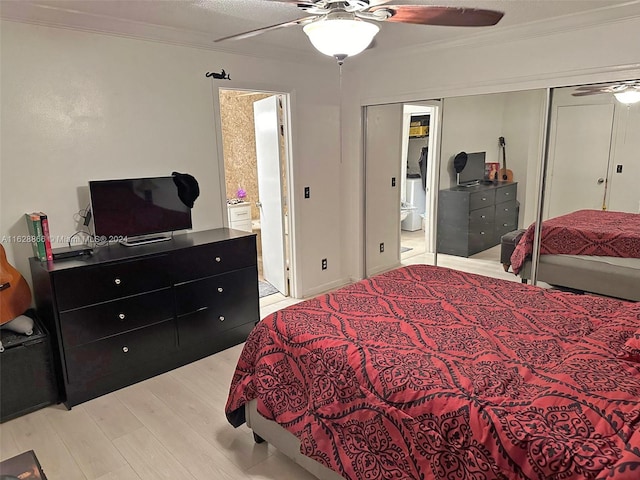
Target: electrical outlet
[382, 247]
[307, 193]
[393, 181]
[618, 168]
[324, 263]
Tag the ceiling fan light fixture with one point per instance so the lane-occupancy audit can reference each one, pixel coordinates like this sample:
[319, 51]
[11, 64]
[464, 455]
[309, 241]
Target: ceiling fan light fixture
[628, 97]
[341, 37]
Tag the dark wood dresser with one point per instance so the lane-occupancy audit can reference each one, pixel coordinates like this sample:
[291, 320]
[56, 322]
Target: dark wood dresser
[472, 219]
[125, 314]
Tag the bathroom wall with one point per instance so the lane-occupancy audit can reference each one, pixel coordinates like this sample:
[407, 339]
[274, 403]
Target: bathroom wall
[239, 144]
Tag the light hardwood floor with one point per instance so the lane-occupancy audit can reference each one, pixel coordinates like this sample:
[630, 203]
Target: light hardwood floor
[173, 426]
[168, 427]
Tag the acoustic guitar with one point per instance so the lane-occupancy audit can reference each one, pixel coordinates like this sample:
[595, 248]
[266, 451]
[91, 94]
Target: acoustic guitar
[504, 175]
[15, 295]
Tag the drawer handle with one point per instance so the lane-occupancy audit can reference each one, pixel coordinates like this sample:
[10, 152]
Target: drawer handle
[483, 216]
[201, 309]
[125, 349]
[506, 194]
[218, 259]
[220, 289]
[481, 233]
[505, 224]
[221, 318]
[117, 281]
[484, 199]
[121, 316]
[241, 213]
[506, 209]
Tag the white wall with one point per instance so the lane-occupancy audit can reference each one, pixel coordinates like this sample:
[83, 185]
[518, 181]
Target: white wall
[78, 106]
[603, 48]
[469, 124]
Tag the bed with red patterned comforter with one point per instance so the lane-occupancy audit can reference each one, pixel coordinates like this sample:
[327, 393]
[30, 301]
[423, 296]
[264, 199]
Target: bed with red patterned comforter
[584, 232]
[425, 372]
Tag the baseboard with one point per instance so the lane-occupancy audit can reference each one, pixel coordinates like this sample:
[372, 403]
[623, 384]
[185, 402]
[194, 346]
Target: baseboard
[326, 287]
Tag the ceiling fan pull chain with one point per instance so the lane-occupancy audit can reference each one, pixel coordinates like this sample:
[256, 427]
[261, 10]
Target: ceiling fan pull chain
[340, 107]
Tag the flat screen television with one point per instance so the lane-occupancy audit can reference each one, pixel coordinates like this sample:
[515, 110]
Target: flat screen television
[473, 171]
[137, 210]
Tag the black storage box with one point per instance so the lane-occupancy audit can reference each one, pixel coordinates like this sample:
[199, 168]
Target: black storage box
[27, 378]
[508, 243]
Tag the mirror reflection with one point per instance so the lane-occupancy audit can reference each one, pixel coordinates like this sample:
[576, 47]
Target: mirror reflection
[491, 147]
[590, 235]
[484, 161]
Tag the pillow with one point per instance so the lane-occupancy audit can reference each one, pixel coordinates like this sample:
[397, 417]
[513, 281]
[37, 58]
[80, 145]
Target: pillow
[631, 348]
[20, 324]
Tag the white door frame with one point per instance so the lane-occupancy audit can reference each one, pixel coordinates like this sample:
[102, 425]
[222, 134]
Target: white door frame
[288, 109]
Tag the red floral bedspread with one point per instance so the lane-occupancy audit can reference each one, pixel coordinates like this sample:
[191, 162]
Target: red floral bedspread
[584, 232]
[425, 372]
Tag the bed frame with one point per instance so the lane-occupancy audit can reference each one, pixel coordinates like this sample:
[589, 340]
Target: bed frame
[284, 441]
[610, 276]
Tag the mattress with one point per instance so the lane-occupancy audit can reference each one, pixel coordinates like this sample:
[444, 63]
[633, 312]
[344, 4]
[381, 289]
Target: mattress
[425, 372]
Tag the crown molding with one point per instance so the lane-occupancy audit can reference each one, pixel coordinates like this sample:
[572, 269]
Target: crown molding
[541, 28]
[74, 20]
[565, 78]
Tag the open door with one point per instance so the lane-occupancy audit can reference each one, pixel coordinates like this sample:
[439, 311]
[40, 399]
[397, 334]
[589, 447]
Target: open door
[267, 128]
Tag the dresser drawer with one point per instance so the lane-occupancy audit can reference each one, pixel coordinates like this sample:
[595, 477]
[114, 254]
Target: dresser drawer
[244, 225]
[480, 217]
[201, 326]
[125, 351]
[481, 199]
[84, 325]
[218, 292]
[239, 212]
[215, 258]
[207, 307]
[506, 225]
[506, 193]
[506, 211]
[79, 287]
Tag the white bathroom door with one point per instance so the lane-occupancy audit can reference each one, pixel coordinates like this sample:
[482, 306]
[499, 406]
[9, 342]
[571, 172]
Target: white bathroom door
[267, 127]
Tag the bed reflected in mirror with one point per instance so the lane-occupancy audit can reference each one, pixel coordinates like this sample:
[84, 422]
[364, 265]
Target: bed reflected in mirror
[590, 236]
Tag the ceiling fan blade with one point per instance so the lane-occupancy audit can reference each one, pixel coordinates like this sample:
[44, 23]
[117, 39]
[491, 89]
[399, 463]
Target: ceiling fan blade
[443, 16]
[592, 88]
[591, 92]
[258, 31]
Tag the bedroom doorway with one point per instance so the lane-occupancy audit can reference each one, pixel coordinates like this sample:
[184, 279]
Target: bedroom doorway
[386, 133]
[256, 145]
[420, 128]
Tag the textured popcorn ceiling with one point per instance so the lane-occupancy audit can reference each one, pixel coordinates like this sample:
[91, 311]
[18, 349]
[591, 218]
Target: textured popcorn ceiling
[200, 22]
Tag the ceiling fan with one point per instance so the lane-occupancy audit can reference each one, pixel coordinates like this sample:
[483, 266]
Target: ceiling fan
[342, 28]
[627, 92]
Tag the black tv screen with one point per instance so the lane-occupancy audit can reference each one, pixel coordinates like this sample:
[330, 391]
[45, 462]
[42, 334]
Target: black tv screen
[137, 206]
[473, 171]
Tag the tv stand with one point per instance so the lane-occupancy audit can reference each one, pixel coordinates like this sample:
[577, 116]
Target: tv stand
[135, 241]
